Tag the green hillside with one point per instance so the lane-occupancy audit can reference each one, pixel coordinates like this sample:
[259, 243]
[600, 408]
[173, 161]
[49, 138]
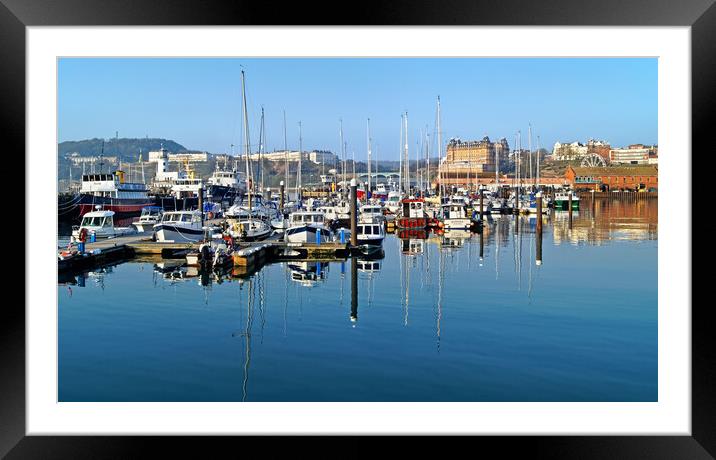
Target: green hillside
[124, 148]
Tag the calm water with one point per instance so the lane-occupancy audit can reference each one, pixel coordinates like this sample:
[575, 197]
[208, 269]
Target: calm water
[431, 321]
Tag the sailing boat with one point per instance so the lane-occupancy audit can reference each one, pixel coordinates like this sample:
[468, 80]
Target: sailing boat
[248, 229]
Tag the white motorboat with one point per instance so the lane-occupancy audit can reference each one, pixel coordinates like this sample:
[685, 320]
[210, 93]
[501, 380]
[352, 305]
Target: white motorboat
[248, 229]
[308, 274]
[455, 217]
[370, 232]
[497, 206]
[372, 211]
[304, 226]
[151, 215]
[179, 227]
[392, 204]
[101, 224]
[340, 212]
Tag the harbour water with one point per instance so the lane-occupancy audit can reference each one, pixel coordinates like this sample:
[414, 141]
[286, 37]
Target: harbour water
[436, 319]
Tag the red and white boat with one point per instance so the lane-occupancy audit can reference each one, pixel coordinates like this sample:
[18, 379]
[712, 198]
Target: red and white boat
[412, 214]
[113, 194]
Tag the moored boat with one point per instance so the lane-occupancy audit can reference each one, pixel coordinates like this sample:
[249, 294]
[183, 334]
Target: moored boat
[179, 227]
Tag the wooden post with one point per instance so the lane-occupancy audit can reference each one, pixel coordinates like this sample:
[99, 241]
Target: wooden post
[570, 209]
[201, 204]
[354, 289]
[482, 208]
[538, 237]
[354, 213]
[282, 187]
[539, 212]
[482, 241]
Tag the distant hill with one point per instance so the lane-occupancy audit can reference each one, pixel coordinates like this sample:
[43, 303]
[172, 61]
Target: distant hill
[126, 149]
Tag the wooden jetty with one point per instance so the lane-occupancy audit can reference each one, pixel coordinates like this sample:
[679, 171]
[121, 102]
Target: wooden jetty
[247, 256]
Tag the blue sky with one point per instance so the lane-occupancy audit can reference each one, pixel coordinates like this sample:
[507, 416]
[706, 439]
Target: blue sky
[197, 102]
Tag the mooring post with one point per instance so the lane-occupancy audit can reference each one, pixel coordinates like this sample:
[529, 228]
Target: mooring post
[354, 287]
[538, 237]
[201, 204]
[354, 213]
[570, 209]
[539, 212]
[482, 241]
[282, 187]
[482, 208]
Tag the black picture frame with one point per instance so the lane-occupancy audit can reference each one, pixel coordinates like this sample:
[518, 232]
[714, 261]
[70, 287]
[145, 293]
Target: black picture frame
[16, 15]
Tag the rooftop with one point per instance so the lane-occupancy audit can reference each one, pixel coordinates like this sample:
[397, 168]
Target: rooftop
[645, 170]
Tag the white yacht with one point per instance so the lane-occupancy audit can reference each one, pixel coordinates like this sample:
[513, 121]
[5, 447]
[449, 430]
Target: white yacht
[336, 212]
[248, 229]
[455, 216]
[150, 216]
[370, 232]
[179, 227]
[561, 200]
[392, 204]
[368, 211]
[101, 223]
[303, 226]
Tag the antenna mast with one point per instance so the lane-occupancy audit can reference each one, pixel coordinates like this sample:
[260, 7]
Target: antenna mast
[369, 159]
[285, 149]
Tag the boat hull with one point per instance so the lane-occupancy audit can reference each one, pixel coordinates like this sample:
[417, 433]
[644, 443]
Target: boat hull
[457, 224]
[412, 222]
[177, 234]
[563, 205]
[306, 234]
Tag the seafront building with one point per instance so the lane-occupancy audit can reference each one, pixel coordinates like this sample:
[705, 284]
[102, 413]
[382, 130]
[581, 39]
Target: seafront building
[613, 178]
[467, 161]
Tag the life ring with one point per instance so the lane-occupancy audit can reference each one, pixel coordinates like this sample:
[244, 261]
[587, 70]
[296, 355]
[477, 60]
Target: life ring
[83, 235]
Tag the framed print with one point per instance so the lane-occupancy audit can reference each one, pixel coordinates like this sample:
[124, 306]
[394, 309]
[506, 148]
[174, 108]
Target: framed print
[425, 221]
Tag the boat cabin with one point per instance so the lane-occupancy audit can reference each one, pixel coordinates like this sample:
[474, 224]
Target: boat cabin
[454, 211]
[306, 218]
[151, 213]
[413, 208]
[97, 220]
[186, 217]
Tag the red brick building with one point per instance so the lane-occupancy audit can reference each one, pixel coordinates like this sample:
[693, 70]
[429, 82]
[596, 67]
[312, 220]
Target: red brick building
[613, 178]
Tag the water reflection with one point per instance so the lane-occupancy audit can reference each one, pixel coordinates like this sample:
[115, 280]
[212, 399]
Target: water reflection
[308, 274]
[463, 281]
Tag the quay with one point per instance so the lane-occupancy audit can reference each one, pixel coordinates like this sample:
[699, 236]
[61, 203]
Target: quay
[251, 255]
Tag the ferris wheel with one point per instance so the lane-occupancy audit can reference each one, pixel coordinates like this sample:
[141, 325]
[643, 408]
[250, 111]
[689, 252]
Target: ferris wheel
[593, 161]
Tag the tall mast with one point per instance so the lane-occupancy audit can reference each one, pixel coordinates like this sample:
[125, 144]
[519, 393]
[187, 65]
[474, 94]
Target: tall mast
[497, 168]
[529, 143]
[369, 158]
[427, 157]
[262, 147]
[519, 168]
[343, 155]
[285, 150]
[537, 172]
[400, 155]
[245, 116]
[440, 146]
[300, 155]
[406, 161]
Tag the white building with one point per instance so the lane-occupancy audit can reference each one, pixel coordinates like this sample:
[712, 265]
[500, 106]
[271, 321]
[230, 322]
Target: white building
[564, 151]
[634, 156]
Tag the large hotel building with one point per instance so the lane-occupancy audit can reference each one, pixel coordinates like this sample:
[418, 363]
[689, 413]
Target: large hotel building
[466, 161]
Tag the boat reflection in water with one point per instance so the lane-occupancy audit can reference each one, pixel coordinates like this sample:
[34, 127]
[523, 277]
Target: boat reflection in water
[488, 312]
[454, 239]
[308, 274]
